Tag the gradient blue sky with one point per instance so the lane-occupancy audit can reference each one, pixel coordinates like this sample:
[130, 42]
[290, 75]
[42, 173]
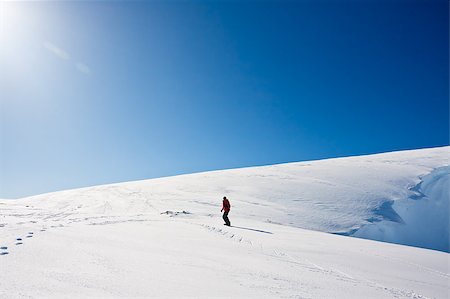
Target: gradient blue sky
[102, 92]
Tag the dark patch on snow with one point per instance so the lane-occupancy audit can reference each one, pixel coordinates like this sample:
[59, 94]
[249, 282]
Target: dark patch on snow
[252, 229]
[373, 219]
[172, 213]
[417, 193]
[4, 253]
[388, 213]
[273, 222]
[348, 233]
[385, 212]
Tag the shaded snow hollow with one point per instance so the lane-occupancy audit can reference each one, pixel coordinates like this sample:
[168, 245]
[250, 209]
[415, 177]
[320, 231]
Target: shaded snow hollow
[420, 220]
[399, 197]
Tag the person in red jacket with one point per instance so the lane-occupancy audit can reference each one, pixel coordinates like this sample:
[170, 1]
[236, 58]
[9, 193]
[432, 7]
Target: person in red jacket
[226, 209]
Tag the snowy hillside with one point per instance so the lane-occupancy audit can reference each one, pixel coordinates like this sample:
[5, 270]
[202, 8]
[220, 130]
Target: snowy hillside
[399, 197]
[164, 237]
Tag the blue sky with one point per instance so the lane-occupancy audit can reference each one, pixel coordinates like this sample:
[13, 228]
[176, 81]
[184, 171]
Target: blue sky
[102, 92]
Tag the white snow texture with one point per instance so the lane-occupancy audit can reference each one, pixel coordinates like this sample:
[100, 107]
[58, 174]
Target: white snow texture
[163, 238]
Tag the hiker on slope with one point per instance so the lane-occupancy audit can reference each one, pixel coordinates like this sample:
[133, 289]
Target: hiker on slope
[226, 209]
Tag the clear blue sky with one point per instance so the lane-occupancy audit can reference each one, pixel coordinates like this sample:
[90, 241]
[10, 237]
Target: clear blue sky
[102, 92]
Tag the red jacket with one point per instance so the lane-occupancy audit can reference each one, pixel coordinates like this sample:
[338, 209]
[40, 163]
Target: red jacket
[226, 205]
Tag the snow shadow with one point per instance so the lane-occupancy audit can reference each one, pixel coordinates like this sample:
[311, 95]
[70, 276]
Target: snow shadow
[387, 212]
[255, 230]
[420, 220]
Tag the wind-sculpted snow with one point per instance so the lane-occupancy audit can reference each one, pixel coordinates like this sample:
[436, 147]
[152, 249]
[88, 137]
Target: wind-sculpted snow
[164, 238]
[423, 216]
[335, 195]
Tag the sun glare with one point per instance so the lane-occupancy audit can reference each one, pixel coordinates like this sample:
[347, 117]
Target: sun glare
[12, 19]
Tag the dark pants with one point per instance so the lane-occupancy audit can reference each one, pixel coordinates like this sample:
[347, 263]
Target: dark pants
[225, 218]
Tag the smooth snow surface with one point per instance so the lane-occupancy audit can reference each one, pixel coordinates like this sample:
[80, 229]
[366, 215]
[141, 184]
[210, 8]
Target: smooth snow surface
[164, 238]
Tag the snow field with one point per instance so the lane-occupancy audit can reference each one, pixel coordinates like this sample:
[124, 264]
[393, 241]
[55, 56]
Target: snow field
[164, 238]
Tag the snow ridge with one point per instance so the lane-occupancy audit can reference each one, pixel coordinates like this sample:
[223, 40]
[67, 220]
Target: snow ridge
[363, 196]
[423, 217]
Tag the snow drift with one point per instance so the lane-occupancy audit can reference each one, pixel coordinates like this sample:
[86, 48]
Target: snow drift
[422, 219]
[399, 197]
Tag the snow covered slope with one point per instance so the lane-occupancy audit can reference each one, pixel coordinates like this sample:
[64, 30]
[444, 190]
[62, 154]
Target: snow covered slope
[383, 193]
[165, 238]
